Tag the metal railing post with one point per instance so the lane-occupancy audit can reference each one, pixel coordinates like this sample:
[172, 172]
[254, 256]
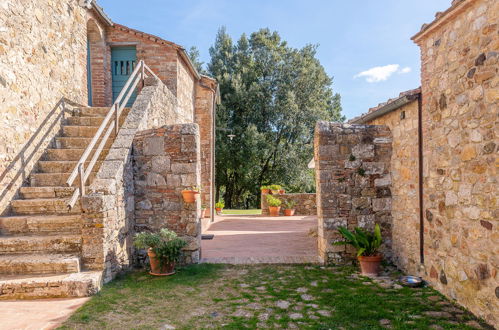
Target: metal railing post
[81, 172]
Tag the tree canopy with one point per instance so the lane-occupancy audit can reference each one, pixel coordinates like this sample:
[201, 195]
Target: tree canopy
[272, 96]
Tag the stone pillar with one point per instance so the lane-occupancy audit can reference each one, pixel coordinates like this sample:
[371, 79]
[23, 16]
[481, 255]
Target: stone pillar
[352, 164]
[205, 118]
[167, 161]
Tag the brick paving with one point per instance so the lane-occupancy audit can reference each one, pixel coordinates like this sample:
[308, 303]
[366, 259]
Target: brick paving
[250, 239]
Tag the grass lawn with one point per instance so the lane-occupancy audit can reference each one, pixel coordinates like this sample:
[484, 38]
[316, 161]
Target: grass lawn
[253, 211]
[265, 296]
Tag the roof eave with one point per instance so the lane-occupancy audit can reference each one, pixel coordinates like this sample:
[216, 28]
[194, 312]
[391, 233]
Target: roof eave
[441, 18]
[100, 12]
[398, 103]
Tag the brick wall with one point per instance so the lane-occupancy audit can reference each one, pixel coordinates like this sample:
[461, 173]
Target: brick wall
[460, 84]
[167, 161]
[305, 203]
[405, 185]
[185, 86]
[353, 182]
[42, 59]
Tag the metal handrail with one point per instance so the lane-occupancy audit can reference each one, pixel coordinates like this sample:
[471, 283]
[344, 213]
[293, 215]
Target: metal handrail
[138, 75]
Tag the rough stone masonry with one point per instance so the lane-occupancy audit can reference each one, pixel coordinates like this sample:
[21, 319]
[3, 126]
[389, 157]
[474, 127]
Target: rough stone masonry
[353, 183]
[167, 161]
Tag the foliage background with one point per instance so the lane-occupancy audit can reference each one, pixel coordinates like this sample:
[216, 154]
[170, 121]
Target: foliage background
[272, 97]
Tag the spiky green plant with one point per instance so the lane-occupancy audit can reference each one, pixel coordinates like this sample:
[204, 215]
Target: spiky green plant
[367, 244]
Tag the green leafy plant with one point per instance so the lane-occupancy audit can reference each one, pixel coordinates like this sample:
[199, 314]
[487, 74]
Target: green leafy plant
[165, 244]
[289, 204]
[220, 205]
[275, 187]
[361, 171]
[264, 187]
[367, 244]
[273, 201]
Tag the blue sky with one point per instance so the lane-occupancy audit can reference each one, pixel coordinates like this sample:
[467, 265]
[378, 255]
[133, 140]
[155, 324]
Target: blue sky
[364, 44]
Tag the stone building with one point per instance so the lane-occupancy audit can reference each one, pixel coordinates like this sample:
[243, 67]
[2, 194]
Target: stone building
[401, 115]
[62, 66]
[444, 161]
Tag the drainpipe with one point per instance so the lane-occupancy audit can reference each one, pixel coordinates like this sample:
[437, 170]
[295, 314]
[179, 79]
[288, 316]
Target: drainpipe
[420, 154]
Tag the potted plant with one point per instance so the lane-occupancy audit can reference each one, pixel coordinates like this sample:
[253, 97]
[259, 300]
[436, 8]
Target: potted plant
[219, 207]
[189, 195]
[203, 211]
[367, 245]
[274, 189]
[289, 207]
[265, 189]
[163, 248]
[282, 191]
[274, 205]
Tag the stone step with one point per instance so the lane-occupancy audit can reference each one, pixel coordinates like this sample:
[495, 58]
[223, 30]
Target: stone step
[43, 206]
[79, 142]
[62, 166]
[89, 121]
[45, 192]
[56, 179]
[40, 224]
[70, 154]
[81, 131]
[40, 244]
[82, 284]
[97, 111]
[12, 264]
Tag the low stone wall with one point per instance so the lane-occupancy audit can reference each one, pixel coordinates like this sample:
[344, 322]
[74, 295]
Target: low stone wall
[305, 203]
[108, 207]
[167, 161]
[352, 164]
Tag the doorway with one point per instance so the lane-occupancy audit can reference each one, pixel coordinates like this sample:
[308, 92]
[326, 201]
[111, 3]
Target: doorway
[123, 61]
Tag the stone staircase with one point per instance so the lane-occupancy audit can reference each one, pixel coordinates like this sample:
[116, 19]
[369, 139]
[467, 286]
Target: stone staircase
[40, 241]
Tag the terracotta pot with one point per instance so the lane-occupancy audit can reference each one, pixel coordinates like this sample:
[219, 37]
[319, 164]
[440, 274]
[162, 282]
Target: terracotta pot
[274, 211]
[203, 213]
[289, 212]
[189, 195]
[369, 265]
[282, 191]
[218, 209]
[156, 268]
[265, 191]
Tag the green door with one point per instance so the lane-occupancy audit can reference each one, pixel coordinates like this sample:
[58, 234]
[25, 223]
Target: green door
[123, 61]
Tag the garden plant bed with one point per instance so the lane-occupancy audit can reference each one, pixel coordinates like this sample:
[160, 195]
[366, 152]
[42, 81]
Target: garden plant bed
[273, 296]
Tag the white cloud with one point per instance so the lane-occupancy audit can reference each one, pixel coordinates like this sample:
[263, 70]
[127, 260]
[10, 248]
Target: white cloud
[405, 70]
[382, 73]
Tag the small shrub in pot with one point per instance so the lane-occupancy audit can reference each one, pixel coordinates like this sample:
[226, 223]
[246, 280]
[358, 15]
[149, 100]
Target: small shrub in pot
[274, 205]
[289, 207]
[367, 245]
[164, 249]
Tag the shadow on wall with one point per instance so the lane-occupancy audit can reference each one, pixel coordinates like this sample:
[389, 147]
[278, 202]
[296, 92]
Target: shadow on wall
[24, 162]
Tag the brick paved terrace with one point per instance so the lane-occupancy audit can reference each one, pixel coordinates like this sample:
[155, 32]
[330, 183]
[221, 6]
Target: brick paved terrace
[246, 239]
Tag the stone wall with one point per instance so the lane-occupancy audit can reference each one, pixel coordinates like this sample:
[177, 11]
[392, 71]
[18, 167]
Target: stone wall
[353, 182]
[460, 86]
[305, 203]
[405, 187]
[205, 118]
[42, 59]
[167, 161]
[109, 206]
[185, 86]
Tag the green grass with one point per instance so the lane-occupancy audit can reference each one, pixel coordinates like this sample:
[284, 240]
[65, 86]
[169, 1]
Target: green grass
[251, 212]
[247, 297]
